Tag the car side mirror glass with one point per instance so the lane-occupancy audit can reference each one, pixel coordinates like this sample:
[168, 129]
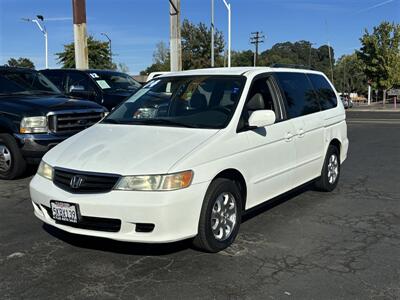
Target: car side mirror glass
[262, 118]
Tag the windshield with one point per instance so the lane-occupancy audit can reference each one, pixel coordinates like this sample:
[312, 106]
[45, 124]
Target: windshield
[26, 82]
[114, 81]
[183, 101]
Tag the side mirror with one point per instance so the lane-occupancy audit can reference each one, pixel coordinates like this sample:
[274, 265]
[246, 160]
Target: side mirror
[76, 88]
[262, 118]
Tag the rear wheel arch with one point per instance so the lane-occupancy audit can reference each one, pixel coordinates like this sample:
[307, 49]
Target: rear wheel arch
[336, 143]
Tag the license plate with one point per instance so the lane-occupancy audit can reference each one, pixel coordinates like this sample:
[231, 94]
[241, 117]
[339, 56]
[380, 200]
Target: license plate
[63, 211]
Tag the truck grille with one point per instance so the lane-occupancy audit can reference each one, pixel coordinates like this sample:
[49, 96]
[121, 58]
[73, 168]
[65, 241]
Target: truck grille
[73, 121]
[89, 183]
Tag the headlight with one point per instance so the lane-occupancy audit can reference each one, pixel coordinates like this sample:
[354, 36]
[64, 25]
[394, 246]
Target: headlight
[45, 170]
[155, 182]
[33, 125]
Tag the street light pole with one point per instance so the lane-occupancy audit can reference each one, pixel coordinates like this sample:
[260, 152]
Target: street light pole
[212, 33]
[42, 28]
[109, 42]
[228, 7]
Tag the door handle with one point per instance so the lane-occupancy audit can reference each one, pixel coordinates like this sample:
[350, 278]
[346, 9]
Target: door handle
[289, 137]
[300, 133]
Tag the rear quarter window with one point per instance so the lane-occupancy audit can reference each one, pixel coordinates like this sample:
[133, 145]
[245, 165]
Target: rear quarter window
[326, 95]
[56, 78]
[299, 94]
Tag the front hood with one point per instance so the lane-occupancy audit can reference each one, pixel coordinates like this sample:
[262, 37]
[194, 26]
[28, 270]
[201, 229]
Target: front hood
[41, 105]
[127, 149]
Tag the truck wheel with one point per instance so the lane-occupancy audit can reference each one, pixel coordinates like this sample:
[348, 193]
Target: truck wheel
[220, 216]
[330, 171]
[12, 164]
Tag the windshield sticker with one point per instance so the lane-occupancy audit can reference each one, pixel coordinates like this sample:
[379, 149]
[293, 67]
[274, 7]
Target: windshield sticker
[94, 75]
[103, 84]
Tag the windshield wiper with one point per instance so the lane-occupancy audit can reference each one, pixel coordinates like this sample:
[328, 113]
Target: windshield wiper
[45, 92]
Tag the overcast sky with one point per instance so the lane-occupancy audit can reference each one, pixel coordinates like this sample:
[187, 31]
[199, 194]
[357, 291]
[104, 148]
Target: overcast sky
[135, 26]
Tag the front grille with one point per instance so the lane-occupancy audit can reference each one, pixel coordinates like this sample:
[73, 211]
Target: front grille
[91, 223]
[73, 121]
[90, 183]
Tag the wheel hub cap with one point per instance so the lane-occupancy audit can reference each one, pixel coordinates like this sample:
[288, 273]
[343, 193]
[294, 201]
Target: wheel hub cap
[5, 158]
[223, 216]
[333, 168]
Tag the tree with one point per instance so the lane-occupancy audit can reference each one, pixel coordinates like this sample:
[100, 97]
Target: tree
[196, 46]
[22, 62]
[349, 74]
[299, 53]
[242, 58]
[123, 68]
[161, 60]
[381, 54]
[196, 49]
[99, 55]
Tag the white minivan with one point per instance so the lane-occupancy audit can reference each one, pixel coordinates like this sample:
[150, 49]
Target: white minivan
[190, 152]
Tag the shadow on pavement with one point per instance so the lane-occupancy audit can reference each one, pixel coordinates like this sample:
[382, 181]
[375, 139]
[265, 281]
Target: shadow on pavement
[108, 245]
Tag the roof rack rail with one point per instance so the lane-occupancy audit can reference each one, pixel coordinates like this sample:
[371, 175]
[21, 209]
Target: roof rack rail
[292, 66]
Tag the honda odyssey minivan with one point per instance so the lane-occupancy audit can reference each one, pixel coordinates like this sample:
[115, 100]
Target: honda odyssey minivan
[190, 152]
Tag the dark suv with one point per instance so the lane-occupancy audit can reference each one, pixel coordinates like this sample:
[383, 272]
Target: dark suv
[34, 117]
[108, 88]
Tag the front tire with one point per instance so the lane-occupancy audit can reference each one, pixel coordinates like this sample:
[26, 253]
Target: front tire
[220, 216]
[330, 171]
[12, 164]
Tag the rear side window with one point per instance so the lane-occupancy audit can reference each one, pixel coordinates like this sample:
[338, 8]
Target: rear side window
[79, 80]
[57, 78]
[326, 95]
[300, 96]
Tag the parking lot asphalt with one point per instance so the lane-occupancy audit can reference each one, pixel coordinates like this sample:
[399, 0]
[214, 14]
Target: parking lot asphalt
[304, 245]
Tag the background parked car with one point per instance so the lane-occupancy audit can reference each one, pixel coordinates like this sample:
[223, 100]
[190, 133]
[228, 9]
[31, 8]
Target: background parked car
[108, 88]
[347, 102]
[34, 117]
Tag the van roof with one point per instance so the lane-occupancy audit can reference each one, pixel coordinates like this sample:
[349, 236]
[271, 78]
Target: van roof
[238, 71]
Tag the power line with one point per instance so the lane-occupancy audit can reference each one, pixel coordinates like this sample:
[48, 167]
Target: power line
[256, 38]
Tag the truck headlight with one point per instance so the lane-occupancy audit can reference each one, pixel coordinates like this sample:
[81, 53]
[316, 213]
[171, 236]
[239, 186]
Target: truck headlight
[167, 182]
[45, 170]
[33, 125]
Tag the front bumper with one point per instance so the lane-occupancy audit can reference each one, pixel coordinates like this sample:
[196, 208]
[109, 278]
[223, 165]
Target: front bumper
[34, 146]
[175, 214]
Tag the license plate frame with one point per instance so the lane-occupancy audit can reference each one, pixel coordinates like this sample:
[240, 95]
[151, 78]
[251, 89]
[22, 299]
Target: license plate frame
[65, 212]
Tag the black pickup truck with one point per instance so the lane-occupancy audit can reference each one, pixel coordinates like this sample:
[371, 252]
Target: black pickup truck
[106, 87]
[34, 117]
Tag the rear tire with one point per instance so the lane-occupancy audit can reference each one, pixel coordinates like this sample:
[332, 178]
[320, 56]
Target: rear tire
[12, 164]
[330, 172]
[220, 216]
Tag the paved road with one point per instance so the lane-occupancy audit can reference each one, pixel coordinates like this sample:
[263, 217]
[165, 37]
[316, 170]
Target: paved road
[308, 245]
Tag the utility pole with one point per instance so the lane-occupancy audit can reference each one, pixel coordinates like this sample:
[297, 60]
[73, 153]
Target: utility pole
[330, 60]
[256, 38]
[175, 35]
[212, 33]
[80, 34]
